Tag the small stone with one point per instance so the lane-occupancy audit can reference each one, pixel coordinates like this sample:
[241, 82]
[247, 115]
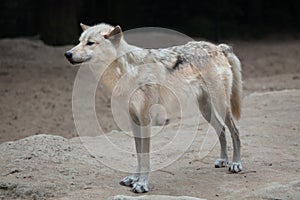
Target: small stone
[87, 187]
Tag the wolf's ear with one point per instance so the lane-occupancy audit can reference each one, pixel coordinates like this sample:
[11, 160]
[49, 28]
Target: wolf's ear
[84, 27]
[115, 35]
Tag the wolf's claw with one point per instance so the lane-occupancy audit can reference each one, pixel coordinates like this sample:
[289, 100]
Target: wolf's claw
[139, 187]
[129, 180]
[235, 167]
[221, 163]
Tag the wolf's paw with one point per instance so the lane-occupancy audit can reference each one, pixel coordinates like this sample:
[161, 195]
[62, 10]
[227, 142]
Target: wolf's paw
[140, 187]
[129, 180]
[221, 163]
[235, 167]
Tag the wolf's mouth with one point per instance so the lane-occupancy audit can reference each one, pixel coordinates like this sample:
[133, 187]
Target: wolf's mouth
[75, 62]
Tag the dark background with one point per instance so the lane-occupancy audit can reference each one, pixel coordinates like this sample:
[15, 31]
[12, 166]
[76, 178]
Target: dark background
[56, 22]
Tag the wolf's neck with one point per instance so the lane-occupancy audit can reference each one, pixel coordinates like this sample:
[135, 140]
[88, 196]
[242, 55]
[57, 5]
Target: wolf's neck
[133, 55]
[129, 58]
[132, 60]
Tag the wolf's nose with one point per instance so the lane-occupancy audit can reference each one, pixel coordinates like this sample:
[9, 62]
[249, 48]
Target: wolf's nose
[68, 54]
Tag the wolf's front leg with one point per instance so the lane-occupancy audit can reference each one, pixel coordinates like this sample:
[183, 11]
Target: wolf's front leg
[141, 185]
[139, 180]
[142, 147]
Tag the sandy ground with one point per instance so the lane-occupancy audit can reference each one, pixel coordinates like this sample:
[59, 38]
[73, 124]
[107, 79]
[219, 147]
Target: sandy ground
[36, 91]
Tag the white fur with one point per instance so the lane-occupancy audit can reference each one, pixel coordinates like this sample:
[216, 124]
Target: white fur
[212, 73]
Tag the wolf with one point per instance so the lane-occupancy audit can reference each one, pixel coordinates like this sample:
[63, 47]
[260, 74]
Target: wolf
[212, 72]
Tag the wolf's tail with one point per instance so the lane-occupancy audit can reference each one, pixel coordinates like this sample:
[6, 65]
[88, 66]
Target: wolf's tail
[237, 85]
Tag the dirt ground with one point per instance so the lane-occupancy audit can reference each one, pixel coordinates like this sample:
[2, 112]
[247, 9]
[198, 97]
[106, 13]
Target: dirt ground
[36, 85]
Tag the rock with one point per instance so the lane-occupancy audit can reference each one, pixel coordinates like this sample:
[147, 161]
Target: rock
[153, 197]
[38, 167]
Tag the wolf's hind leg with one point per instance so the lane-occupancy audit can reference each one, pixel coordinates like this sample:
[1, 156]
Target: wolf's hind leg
[223, 160]
[236, 165]
[209, 114]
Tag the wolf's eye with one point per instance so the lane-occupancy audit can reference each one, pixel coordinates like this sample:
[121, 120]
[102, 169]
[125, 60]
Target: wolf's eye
[89, 43]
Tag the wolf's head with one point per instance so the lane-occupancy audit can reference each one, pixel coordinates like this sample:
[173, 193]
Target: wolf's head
[97, 43]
